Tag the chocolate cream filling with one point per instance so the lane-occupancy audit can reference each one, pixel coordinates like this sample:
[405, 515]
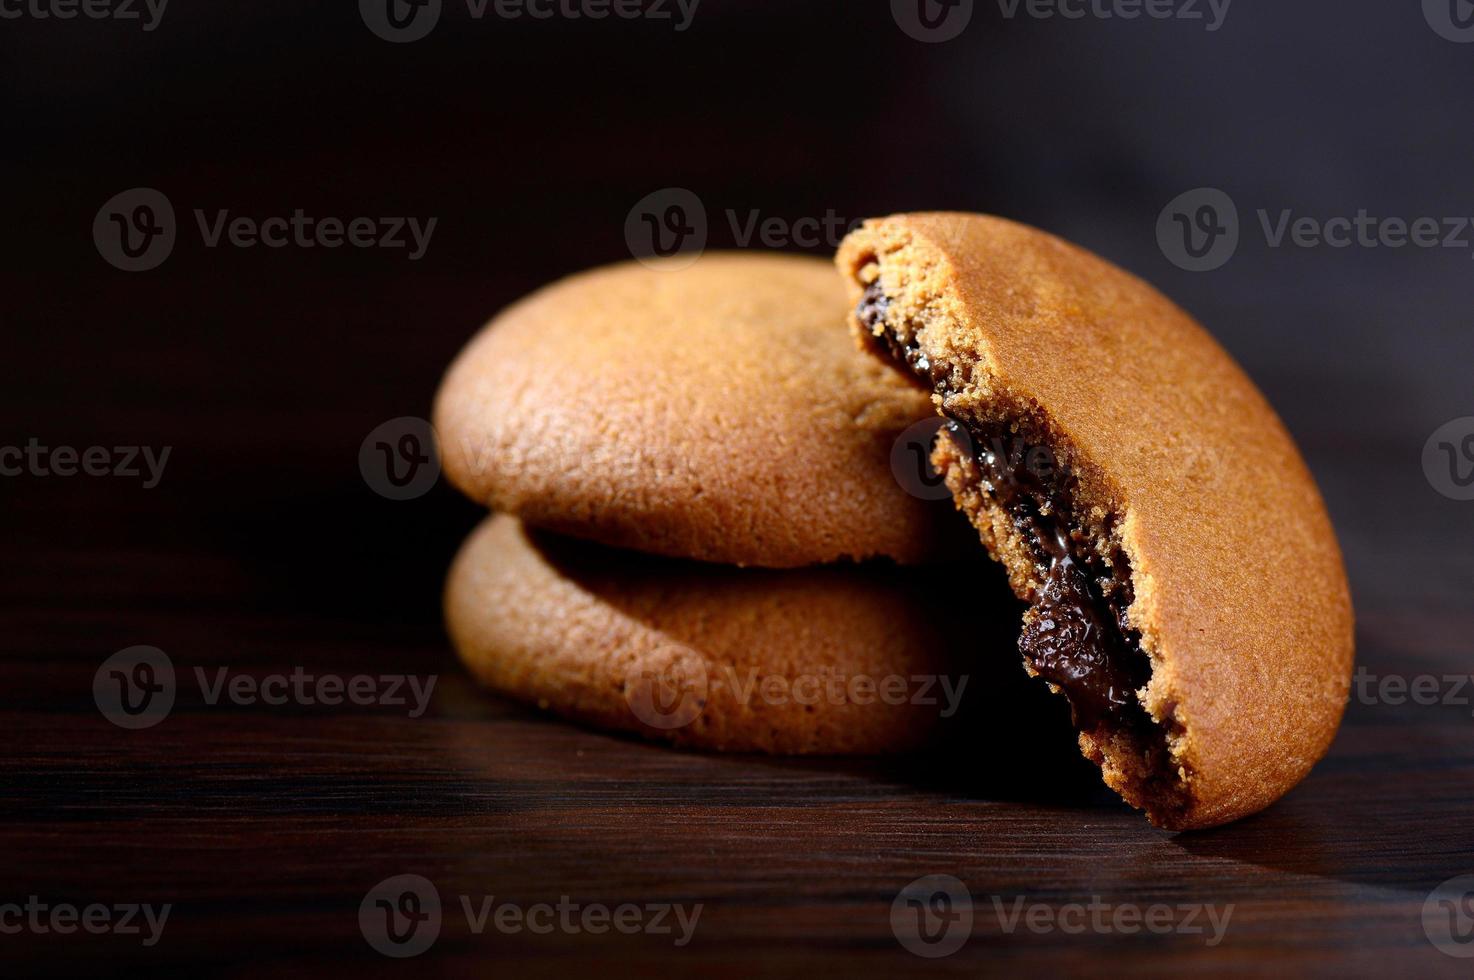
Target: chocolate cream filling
[1076, 635]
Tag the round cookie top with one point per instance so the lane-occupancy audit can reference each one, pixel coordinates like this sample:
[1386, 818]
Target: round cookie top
[1187, 587]
[838, 659]
[719, 412]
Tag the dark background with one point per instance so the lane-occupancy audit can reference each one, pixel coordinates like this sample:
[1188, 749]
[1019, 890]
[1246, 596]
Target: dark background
[530, 141]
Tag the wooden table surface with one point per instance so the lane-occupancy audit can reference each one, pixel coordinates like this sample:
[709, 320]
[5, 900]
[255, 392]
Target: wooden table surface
[262, 550]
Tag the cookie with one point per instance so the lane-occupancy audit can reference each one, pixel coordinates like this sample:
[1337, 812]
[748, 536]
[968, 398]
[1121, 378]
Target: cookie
[841, 659]
[717, 412]
[1186, 587]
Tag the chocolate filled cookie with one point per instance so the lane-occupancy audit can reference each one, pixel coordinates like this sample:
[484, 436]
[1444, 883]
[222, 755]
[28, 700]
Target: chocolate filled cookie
[718, 412]
[1186, 590]
[841, 659]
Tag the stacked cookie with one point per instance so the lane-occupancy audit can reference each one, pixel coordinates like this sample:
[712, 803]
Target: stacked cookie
[697, 534]
[665, 431]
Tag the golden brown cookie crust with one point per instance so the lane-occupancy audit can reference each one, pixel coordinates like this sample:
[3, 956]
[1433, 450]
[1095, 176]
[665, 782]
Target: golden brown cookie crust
[718, 412]
[1240, 596]
[578, 628]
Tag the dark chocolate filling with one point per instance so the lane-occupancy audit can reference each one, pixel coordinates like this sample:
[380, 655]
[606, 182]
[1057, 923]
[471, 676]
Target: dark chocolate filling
[872, 312]
[1077, 635]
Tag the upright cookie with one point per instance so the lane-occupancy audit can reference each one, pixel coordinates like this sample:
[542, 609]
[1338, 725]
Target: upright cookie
[717, 412]
[1187, 590]
[832, 660]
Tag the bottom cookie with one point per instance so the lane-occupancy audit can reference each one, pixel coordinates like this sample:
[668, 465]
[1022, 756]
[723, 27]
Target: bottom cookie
[853, 659]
